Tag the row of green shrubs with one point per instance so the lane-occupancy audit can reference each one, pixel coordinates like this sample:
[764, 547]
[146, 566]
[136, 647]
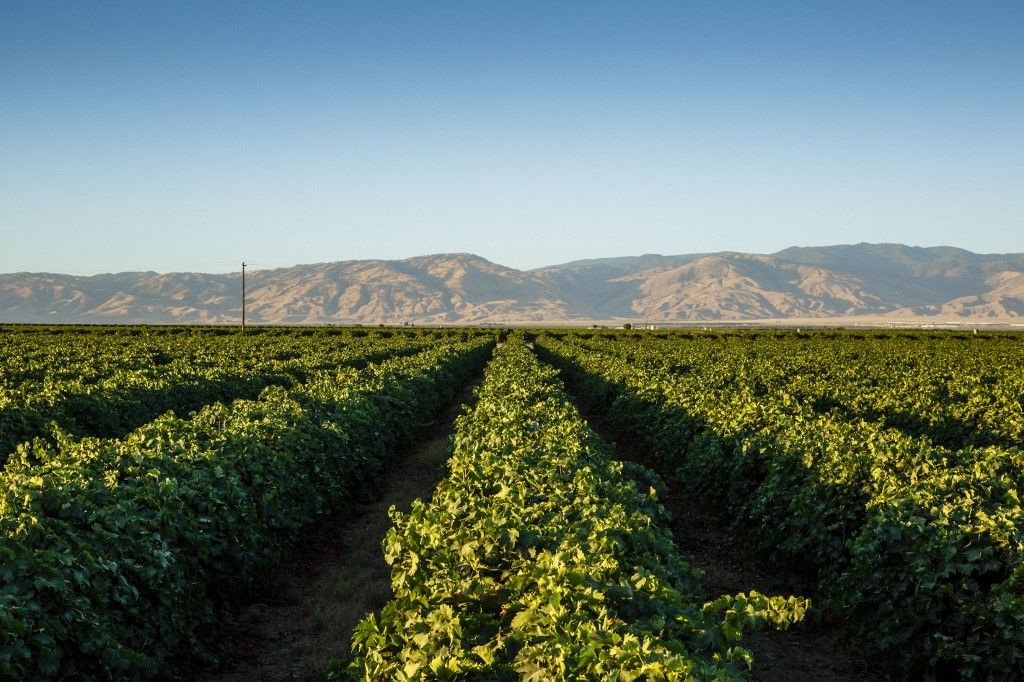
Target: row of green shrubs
[115, 555]
[539, 558]
[86, 388]
[918, 549]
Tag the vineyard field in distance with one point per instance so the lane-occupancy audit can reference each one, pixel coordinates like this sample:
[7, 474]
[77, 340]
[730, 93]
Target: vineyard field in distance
[154, 479]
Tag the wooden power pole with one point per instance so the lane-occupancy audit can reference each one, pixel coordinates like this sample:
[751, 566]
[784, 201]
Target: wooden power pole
[243, 297]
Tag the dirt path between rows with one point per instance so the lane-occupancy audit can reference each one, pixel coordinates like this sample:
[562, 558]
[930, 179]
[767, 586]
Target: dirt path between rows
[334, 577]
[812, 650]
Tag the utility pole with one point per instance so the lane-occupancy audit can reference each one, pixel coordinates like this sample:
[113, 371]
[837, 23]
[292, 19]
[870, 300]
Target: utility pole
[243, 297]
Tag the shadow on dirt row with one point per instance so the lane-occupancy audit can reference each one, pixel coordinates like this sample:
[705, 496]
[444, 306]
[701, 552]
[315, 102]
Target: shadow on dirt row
[812, 650]
[334, 577]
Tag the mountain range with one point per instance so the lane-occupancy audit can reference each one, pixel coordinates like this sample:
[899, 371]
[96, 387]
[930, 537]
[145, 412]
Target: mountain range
[846, 281]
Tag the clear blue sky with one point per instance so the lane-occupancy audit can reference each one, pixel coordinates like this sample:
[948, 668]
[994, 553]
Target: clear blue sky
[171, 135]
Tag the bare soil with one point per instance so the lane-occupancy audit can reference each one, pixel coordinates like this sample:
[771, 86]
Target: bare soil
[811, 650]
[334, 577]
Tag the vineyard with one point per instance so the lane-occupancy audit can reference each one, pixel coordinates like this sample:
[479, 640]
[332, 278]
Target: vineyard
[153, 479]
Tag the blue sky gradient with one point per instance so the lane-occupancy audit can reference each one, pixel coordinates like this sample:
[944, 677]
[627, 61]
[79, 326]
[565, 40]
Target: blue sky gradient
[187, 136]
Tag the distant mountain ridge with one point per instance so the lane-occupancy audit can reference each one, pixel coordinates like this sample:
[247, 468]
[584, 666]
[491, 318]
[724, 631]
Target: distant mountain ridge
[890, 280]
